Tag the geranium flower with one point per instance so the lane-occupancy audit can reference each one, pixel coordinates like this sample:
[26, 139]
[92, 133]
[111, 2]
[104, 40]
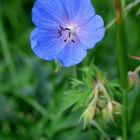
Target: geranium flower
[65, 30]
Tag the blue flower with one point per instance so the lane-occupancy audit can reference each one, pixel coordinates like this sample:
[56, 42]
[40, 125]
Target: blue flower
[65, 30]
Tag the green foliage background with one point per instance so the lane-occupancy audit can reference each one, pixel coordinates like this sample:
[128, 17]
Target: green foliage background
[31, 92]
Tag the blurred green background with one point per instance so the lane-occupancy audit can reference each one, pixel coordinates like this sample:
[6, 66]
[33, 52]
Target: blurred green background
[31, 92]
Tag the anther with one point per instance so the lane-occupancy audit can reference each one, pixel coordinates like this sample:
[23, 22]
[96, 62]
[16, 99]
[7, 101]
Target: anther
[73, 41]
[60, 33]
[61, 27]
[67, 29]
[69, 34]
[65, 40]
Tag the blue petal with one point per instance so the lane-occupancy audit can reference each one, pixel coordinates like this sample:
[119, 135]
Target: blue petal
[48, 14]
[72, 54]
[52, 13]
[77, 10]
[45, 44]
[92, 32]
[85, 12]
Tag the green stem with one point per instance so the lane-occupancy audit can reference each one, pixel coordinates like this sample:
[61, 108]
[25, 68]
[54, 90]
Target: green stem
[123, 4]
[103, 133]
[7, 56]
[122, 61]
[75, 72]
[125, 117]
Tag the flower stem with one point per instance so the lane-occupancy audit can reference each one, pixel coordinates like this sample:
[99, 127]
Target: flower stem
[123, 4]
[122, 61]
[7, 55]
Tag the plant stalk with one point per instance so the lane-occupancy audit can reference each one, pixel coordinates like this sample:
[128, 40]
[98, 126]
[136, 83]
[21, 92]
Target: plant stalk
[7, 55]
[122, 55]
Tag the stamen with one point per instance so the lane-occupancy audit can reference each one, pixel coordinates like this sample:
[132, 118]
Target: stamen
[67, 29]
[60, 32]
[61, 27]
[73, 41]
[68, 33]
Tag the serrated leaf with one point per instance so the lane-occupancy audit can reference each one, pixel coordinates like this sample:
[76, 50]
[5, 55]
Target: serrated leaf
[75, 82]
[76, 98]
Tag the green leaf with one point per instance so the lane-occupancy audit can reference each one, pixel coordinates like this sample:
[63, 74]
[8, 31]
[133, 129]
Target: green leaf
[77, 98]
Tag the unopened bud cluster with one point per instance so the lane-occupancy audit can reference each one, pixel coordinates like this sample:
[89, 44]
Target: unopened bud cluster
[101, 103]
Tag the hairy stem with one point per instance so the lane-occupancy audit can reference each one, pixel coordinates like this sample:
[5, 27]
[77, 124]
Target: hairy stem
[122, 55]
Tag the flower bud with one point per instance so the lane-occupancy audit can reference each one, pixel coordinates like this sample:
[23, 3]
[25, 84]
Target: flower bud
[133, 78]
[111, 109]
[88, 115]
[105, 114]
[116, 108]
[102, 102]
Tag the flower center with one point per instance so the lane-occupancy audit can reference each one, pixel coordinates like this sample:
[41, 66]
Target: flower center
[67, 33]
